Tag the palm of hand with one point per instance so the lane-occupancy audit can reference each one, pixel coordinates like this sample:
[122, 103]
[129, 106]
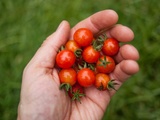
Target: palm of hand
[45, 96]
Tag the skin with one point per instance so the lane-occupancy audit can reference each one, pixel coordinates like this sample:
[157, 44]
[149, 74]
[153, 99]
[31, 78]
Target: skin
[41, 98]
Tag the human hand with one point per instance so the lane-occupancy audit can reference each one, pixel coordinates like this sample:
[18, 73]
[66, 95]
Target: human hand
[41, 98]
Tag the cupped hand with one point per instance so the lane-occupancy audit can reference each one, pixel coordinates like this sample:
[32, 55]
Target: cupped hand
[41, 98]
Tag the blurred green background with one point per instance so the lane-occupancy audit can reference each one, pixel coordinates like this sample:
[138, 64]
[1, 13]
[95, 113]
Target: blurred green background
[24, 24]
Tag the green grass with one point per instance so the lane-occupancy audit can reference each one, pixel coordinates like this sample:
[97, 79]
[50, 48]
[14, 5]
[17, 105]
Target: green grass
[24, 24]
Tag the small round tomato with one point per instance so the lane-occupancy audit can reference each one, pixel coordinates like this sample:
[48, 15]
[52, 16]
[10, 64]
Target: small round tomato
[86, 77]
[68, 76]
[83, 37]
[110, 47]
[105, 64]
[102, 81]
[74, 47]
[90, 55]
[65, 59]
[76, 92]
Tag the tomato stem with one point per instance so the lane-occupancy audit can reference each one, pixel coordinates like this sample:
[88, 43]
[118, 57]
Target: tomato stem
[104, 62]
[77, 95]
[61, 48]
[98, 43]
[82, 65]
[91, 66]
[78, 53]
[66, 86]
[102, 38]
[111, 85]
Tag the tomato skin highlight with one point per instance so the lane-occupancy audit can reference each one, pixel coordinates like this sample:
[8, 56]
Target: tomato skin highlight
[83, 37]
[105, 64]
[65, 59]
[68, 76]
[110, 47]
[102, 81]
[86, 77]
[90, 55]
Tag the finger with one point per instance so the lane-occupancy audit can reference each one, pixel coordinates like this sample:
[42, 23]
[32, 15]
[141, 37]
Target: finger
[45, 55]
[98, 21]
[122, 72]
[127, 52]
[121, 33]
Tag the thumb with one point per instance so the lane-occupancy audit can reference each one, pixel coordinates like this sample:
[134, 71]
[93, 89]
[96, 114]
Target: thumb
[45, 56]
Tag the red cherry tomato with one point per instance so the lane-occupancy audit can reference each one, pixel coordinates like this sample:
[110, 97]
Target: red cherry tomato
[90, 55]
[65, 59]
[72, 46]
[86, 77]
[68, 76]
[83, 37]
[110, 47]
[102, 81]
[105, 64]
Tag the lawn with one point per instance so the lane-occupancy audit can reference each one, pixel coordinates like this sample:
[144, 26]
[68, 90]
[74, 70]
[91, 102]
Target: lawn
[24, 24]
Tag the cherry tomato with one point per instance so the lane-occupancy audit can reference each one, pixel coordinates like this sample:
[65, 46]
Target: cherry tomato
[76, 92]
[74, 47]
[83, 37]
[110, 47]
[105, 64]
[68, 76]
[86, 77]
[102, 81]
[65, 59]
[90, 55]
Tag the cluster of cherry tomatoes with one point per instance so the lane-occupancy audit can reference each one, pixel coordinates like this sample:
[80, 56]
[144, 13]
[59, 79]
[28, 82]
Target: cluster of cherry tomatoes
[86, 61]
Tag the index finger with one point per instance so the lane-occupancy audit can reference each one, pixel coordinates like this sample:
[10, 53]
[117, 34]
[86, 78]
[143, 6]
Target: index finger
[97, 22]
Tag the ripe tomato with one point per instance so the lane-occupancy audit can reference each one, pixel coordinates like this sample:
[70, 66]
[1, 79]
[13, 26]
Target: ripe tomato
[68, 78]
[86, 77]
[76, 92]
[102, 81]
[110, 47]
[105, 64]
[83, 37]
[74, 47]
[65, 59]
[90, 55]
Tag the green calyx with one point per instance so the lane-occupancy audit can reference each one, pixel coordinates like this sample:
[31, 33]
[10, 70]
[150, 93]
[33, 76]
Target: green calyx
[91, 66]
[111, 85]
[98, 43]
[78, 53]
[61, 48]
[86, 65]
[104, 62]
[77, 95]
[66, 87]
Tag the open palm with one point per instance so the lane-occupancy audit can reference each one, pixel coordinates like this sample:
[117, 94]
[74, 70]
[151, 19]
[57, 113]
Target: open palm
[41, 98]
